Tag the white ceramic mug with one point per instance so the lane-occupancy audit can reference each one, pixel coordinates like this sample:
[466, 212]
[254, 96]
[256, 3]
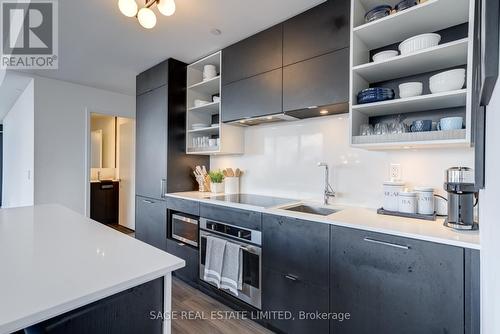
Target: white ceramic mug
[450, 123]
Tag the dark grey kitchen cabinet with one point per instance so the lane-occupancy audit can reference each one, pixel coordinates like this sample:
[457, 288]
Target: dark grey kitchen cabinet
[299, 298]
[289, 245]
[390, 284]
[151, 132]
[320, 30]
[257, 54]
[244, 218]
[320, 81]
[295, 269]
[184, 206]
[153, 78]
[257, 96]
[151, 221]
[189, 254]
[162, 164]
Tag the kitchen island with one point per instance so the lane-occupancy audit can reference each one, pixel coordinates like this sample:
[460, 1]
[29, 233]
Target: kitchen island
[55, 261]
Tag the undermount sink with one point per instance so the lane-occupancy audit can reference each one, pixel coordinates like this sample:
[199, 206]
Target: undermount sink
[311, 210]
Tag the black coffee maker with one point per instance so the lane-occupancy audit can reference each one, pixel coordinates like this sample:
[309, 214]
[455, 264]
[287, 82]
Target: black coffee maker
[462, 198]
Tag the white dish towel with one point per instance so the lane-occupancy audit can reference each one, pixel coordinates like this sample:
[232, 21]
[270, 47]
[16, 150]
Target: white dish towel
[214, 259]
[232, 269]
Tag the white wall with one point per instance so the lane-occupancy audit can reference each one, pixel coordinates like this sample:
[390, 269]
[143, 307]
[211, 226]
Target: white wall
[490, 222]
[18, 152]
[62, 113]
[281, 160]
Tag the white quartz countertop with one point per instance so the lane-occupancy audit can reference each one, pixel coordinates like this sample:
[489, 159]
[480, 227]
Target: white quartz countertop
[361, 218]
[53, 260]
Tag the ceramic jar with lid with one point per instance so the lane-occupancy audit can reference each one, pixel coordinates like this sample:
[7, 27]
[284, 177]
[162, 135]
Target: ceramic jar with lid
[407, 202]
[391, 194]
[425, 200]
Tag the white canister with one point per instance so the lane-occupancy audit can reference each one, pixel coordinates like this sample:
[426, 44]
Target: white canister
[232, 185]
[391, 192]
[217, 188]
[408, 202]
[425, 200]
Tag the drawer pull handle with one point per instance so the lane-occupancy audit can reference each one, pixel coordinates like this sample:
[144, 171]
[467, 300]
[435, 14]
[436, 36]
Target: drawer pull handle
[148, 202]
[375, 241]
[181, 244]
[291, 277]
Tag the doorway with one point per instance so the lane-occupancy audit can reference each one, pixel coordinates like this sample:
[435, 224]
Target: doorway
[112, 171]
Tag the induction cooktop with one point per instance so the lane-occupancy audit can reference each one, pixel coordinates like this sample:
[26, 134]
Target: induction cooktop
[254, 200]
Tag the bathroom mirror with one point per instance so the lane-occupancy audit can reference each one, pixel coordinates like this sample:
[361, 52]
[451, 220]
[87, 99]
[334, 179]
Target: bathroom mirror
[103, 141]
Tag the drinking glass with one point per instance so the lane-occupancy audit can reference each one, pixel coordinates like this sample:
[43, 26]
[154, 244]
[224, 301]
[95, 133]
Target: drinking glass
[381, 129]
[366, 130]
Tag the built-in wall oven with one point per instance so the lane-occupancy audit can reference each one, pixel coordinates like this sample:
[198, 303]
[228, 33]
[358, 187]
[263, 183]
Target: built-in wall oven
[250, 242]
[184, 228]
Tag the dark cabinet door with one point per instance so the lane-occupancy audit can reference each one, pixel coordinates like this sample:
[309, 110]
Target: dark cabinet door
[151, 222]
[190, 272]
[318, 31]
[289, 245]
[285, 293]
[320, 81]
[151, 125]
[260, 95]
[257, 54]
[391, 284]
[153, 78]
[104, 201]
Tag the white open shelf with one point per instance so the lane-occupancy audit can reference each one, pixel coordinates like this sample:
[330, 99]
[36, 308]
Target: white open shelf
[429, 16]
[231, 137]
[411, 140]
[211, 108]
[456, 98]
[431, 59]
[207, 130]
[207, 87]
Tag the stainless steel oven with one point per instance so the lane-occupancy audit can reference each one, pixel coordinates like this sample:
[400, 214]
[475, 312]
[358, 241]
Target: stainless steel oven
[250, 242]
[185, 228]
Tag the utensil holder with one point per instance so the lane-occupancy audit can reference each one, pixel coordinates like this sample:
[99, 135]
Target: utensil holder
[232, 185]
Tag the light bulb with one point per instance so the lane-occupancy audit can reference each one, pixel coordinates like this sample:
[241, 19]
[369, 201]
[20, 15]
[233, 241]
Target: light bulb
[128, 7]
[166, 7]
[147, 18]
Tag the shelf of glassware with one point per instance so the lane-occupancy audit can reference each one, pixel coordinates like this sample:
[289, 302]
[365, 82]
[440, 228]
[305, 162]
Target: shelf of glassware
[428, 16]
[231, 140]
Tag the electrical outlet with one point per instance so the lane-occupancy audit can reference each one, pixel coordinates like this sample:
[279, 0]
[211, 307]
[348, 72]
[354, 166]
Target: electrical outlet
[395, 172]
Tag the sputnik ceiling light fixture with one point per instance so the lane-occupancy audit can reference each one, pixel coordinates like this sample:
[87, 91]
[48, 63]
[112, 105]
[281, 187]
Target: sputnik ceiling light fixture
[145, 15]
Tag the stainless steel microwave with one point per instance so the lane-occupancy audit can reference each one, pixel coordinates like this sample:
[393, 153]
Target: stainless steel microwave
[185, 229]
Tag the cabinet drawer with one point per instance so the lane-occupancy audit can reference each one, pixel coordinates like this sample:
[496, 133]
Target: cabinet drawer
[320, 30]
[184, 205]
[396, 285]
[320, 81]
[151, 221]
[190, 272]
[244, 218]
[257, 96]
[289, 245]
[283, 294]
[257, 54]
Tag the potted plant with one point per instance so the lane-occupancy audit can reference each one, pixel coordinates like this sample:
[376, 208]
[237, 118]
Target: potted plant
[216, 181]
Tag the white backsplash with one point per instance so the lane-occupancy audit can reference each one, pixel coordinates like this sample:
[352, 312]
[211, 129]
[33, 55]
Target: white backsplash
[281, 160]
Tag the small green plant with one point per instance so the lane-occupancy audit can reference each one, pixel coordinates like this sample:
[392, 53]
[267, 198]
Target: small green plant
[216, 176]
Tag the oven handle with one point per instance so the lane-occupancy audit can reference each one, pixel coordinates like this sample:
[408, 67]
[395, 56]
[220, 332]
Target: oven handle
[185, 219]
[249, 248]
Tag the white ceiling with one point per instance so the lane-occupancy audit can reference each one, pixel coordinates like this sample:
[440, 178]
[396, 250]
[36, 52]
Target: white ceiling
[11, 87]
[100, 47]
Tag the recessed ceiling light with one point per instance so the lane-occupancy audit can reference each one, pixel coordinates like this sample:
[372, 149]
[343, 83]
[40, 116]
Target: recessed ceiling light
[269, 117]
[407, 147]
[312, 107]
[323, 112]
[243, 121]
[216, 32]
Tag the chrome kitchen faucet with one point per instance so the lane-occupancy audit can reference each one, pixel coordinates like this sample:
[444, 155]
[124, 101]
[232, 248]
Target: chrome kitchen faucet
[329, 192]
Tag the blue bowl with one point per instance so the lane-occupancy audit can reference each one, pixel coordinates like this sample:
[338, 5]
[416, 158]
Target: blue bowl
[378, 13]
[375, 94]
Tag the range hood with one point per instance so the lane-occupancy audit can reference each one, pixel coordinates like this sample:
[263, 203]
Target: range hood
[264, 120]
